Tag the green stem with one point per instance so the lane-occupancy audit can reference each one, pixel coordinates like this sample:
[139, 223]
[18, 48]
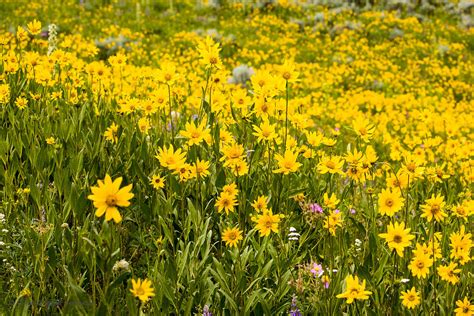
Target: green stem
[170, 111]
[286, 112]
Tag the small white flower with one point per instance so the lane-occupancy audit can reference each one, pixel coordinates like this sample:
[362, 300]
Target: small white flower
[292, 229]
[4, 230]
[175, 115]
[405, 280]
[2, 243]
[121, 265]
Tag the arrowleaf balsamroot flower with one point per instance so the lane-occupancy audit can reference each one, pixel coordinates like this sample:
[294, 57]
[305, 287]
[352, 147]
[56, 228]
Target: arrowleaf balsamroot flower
[267, 222]
[265, 132]
[464, 308]
[330, 164]
[420, 265]
[410, 298]
[226, 202]
[111, 133]
[433, 208]
[209, 51]
[461, 245]
[354, 290]
[448, 273]
[287, 163]
[34, 27]
[157, 182]
[231, 236]
[398, 237]
[142, 289]
[171, 159]
[195, 133]
[108, 195]
[390, 202]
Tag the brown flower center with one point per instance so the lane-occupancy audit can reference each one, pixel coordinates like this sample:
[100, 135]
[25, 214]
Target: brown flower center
[111, 201]
[397, 238]
[268, 224]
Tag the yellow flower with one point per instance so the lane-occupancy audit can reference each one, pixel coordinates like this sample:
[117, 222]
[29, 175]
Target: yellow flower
[265, 132]
[34, 27]
[330, 201]
[239, 168]
[25, 292]
[167, 74]
[226, 202]
[411, 298]
[144, 125]
[260, 204]
[267, 222]
[287, 163]
[332, 221]
[354, 290]
[448, 273]
[21, 102]
[420, 265]
[433, 208]
[231, 236]
[200, 169]
[461, 244]
[157, 182]
[108, 195]
[288, 71]
[398, 181]
[363, 128]
[398, 237]
[233, 153]
[195, 134]
[464, 308]
[231, 189]
[330, 164]
[171, 159]
[142, 289]
[209, 51]
[111, 133]
[50, 141]
[390, 202]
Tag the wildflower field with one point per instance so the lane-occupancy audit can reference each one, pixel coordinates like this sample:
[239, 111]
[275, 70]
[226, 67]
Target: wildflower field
[236, 157]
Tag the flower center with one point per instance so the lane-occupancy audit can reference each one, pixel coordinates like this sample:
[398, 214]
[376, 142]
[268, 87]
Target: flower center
[411, 167]
[268, 224]
[420, 265]
[397, 238]
[330, 164]
[389, 202]
[140, 291]
[111, 201]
